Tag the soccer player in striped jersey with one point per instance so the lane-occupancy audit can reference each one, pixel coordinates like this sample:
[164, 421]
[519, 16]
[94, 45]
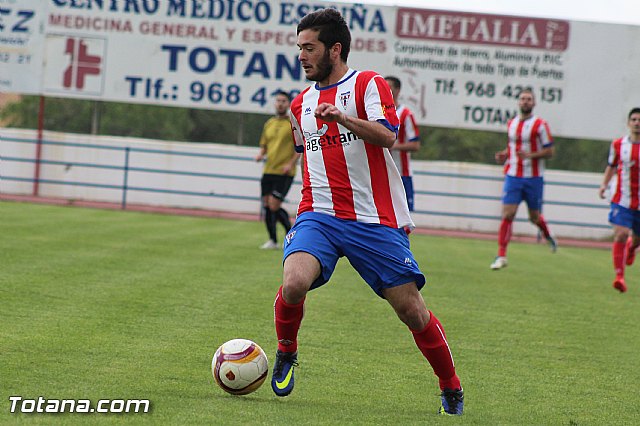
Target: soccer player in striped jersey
[624, 162]
[408, 140]
[353, 203]
[530, 143]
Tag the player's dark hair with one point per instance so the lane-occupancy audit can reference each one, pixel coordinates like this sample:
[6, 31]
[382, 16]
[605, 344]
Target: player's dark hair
[635, 110]
[394, 80]
[283, 93]
[331, 27]
[527, 90]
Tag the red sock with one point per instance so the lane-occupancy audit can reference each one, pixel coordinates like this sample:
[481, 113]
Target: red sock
[287, 318]
[618, 258]
[504, 235]
[432, 342]
[543, 227]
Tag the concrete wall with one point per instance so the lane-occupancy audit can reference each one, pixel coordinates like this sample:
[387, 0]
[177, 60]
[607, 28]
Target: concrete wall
[458, 196]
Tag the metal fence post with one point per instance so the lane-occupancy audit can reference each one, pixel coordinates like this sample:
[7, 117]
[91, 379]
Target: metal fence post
[126, 178]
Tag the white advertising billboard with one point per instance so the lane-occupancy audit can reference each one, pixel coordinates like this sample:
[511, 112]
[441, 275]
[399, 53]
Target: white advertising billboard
[22, 33]
[458, 69]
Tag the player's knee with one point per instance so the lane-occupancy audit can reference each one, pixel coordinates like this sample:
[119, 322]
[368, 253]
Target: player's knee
[414, 315]
[293, 292]
[295, 285]
[274, 204]
[621, 236]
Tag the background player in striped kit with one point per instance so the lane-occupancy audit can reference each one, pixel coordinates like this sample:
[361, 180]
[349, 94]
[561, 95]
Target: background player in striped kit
[353, 203]
[408, 140]
[530, 143]
[624, 162]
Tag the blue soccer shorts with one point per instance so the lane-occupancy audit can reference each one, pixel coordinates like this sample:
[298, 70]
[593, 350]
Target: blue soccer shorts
[407, 181]
[380, 254]
[625, 217]
[529, 190]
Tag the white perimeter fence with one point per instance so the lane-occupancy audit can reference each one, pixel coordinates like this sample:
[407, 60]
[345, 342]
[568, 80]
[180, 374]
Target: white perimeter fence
[455, 196]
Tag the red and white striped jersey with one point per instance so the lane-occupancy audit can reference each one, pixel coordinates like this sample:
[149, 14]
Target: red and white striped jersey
[408, 132]
[625, 155]
[529, 135]
[343, 175]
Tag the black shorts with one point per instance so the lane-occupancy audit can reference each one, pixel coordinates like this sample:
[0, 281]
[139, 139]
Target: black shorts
[276, 185]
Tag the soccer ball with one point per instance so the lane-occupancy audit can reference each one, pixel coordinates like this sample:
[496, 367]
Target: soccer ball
[239, 366]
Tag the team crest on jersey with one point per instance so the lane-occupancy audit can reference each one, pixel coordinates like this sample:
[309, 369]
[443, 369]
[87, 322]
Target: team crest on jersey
[344, 99]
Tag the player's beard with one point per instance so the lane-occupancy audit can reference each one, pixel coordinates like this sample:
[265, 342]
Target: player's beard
[324, 67]
[526, 110]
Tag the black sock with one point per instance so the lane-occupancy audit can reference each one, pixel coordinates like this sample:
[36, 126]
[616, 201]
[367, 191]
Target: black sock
[270, 221]
[283, 218]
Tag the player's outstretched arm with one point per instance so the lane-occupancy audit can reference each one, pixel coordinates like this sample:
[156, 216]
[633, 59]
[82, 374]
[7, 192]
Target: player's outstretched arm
[412, 146]
[543, 153]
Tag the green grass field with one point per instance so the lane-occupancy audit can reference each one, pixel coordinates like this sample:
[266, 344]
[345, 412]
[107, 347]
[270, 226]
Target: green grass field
[101, 304]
